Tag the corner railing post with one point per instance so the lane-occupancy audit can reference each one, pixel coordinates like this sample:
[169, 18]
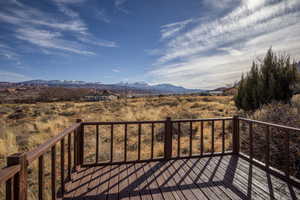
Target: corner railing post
[236, 135]
[20, 179]
[79, 144]
[168, 139]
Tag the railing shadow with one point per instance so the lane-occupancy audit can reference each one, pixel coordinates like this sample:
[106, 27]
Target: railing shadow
[219, 175]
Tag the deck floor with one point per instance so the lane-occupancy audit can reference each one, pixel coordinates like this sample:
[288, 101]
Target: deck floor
[226, 177]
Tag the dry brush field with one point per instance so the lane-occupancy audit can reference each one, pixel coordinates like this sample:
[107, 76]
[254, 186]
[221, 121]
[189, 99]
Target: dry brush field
[25, 126]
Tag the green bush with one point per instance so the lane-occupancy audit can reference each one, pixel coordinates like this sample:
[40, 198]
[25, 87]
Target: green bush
[272, 79]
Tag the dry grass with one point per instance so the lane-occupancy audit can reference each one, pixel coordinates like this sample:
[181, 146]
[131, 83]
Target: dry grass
[25, 126]
[278, 113]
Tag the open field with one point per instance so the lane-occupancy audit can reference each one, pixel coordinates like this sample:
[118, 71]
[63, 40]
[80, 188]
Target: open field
[25, 126]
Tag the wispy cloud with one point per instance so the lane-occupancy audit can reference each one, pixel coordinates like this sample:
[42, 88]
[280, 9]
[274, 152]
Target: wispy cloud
[116, 70]
[12, 77]
[89, 39]
[218, 51]
[7, 52]
[101, 15]
[50, 40]
[119, 4]
[169, 30]
[49, 30]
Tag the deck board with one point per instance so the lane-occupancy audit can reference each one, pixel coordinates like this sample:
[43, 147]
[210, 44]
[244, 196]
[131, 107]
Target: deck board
[220, 177]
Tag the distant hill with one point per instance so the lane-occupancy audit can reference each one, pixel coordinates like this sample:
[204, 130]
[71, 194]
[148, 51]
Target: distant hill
[161, 88]
[139, 87]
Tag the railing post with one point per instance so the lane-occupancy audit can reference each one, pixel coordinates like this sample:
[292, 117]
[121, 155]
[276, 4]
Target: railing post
[168, 139]
[236, 135]
[79, 144]
[20, 179]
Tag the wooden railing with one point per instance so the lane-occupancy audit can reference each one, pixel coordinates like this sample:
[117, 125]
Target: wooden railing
[168, 127]
[15, 175]
[264, 131]
[73, 142]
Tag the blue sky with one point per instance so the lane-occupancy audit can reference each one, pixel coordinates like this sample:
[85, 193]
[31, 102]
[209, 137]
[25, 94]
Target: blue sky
[192, 43]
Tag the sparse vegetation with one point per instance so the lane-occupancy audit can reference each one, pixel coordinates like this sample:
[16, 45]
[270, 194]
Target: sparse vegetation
[278, 113]
[273, 79]
[25, 126]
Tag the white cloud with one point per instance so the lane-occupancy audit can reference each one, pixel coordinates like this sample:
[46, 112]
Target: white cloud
[169, 30]
[116, 70]
[12, 77]
[89, 39]
[233, 40]
[54, 31]
[50, 40]
[101, 15]
[119, 4]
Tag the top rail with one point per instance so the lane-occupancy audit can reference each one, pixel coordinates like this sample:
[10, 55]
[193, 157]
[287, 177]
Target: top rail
[158, 121]
[122, 122]
[8, 173]
[202, 120]
[270, 124]
[34, 154]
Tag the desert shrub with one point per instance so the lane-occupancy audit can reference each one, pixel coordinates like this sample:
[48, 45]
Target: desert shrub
[278, 113]
[207, 99]
[168, 103]
[269, 80]
[5, 110]
[18, 114]
[196, 105]
[67, 113]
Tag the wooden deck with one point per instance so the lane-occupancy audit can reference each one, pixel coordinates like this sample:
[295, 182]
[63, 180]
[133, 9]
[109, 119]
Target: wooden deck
[220, 177]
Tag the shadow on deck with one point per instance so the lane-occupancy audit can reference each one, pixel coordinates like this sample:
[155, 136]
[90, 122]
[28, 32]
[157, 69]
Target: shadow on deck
[220, 177]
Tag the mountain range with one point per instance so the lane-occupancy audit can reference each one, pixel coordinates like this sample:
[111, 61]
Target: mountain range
[141, 86]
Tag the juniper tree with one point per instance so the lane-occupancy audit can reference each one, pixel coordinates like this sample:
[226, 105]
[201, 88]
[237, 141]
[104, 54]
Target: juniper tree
[272, 79]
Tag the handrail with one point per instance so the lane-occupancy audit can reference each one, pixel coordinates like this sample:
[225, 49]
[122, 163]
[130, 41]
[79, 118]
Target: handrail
[40, 150]
[8, 173]
[270, 124]
[157, 121]
[202, 120]
[122, 122]
[266, 154]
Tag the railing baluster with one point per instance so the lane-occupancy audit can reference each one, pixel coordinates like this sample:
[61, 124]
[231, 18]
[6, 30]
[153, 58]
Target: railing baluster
[287, 151]
[69, 157]
[201, 142]
[80, 143]
[41, 177]
[125, 143]
[19, 182]
[267, 151]
[251, 140]
[168, 139]
[53, 172]
[97, 144]
[191, 139]
[212, 136]
[236, 135]
[178, 143]
[139, 141]
[223, 136]
[62, 166]
[9, 190]
[74, 149]
[111, 142]
[152, 140]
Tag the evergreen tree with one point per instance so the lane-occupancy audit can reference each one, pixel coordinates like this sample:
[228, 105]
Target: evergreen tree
[272, 79]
